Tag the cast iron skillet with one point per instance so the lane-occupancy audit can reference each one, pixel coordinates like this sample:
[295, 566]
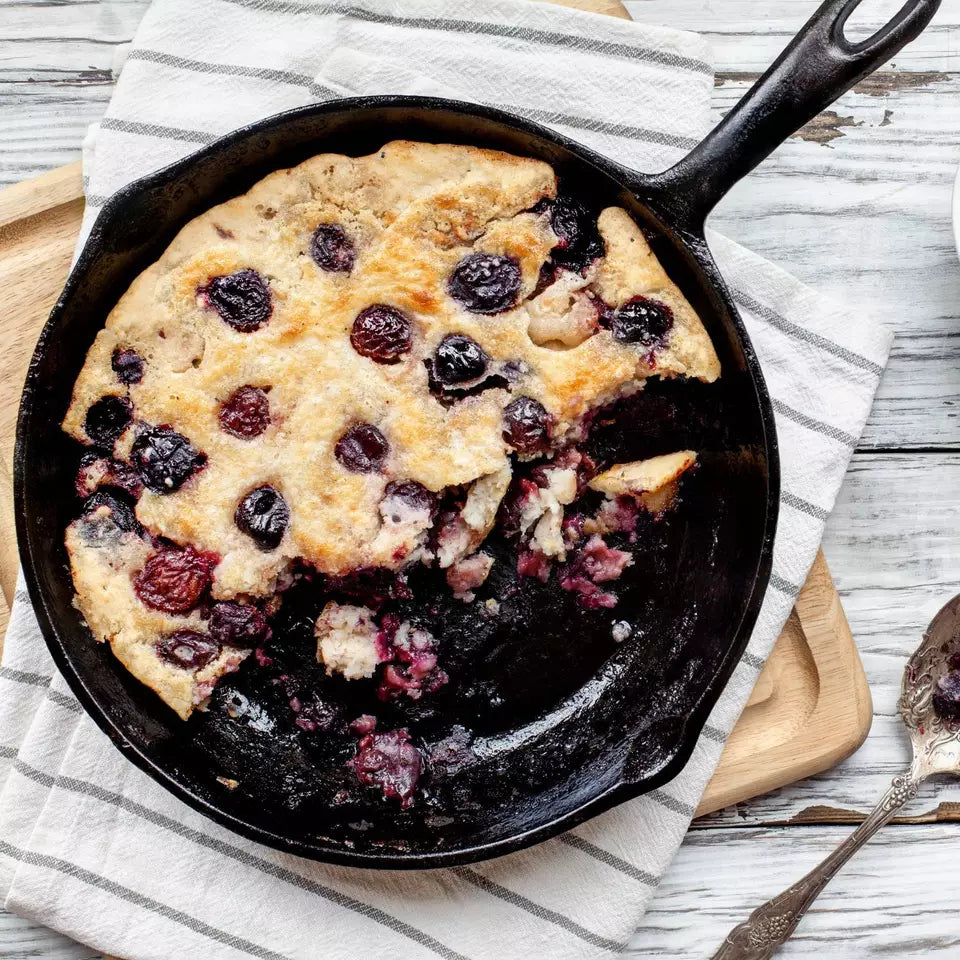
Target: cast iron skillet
[566, 723]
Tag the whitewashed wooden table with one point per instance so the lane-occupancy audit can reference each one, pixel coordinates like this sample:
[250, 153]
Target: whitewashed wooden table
[858, 206]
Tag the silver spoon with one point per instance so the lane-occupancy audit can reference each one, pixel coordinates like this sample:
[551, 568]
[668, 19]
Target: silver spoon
[936, 749]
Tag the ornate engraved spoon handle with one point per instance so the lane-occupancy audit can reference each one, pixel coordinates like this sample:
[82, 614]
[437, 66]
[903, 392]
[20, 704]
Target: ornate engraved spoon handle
[772, 923]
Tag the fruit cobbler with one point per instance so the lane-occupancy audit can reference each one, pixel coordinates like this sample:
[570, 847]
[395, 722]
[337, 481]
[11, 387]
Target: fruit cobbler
[361, 368]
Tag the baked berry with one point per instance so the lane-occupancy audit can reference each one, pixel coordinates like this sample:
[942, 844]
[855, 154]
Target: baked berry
[107, 418]
[946, 696]
[127, 365]
[174, 580]
[238, 624]
[245, 414]
[459, 359]
[263, 514]
[187, 649]
[332, 249]
[119, 512]
[486, 282]
[578, 240]
[382, 333]
[642, 321]
[362, 449]
[410, 494]
[96, 471]
[165, 459]
[526, 425]
[391, 762]
[242, 299]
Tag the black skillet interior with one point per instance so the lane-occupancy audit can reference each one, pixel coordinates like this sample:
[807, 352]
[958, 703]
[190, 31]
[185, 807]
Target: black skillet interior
[564, 721]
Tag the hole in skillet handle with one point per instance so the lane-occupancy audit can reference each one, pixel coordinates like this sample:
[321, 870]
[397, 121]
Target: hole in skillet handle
[818, 66]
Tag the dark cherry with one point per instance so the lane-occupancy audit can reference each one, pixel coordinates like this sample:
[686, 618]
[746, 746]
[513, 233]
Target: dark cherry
[107, 418]
[242, 299]
[127, 365]
[121, 514]
[245, 414]
[642, 321]
[459, 359]
[238, 624]
[174, 580]
[391, 762]
[332, 249]
[263, 514]
[486, 282]
[526, 425]
[579, 241]
[382, 333]
[165, 459]
[946, 696]
[362, 449]
[96, 471]
[187, 649]
[414, 494]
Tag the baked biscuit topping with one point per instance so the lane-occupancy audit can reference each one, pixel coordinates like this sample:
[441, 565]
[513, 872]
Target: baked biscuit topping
[352, 367]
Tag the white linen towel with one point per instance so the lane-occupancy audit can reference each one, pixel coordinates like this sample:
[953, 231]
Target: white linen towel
[91, 846]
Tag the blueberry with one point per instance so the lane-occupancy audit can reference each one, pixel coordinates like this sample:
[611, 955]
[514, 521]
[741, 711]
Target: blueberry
[642, 321]
[238, 624]
[245, 414]
[165, 459]
[414, 495]
[459, 359]
[486, 282]
[263, 514]
[382, 333]
[391, 762]
[242, 299]
[332, 249]
[526, 425]
[107, 419]
[362, 449]
[127, 365]
[187, 649]
[578, 240]
[121, 514]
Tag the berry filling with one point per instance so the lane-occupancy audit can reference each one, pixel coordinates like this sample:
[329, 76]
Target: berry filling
[107, 418]
[410, 655]
[165, 459]
[127, 364]
[579, 242]
[946, 696]
[242, 299]
[642, 321]
[263, 515]
[390, 762]
[246, 413]
[458, 359]
[362, 449]
[240, 625]
[95, 472]
[119, 513]
[187, 649]
[382, 333]
[173, 580]
[331, 249]
[526, 425]
[486, 282]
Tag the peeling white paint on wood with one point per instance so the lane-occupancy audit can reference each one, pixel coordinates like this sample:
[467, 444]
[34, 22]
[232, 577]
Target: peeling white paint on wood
[858, 207]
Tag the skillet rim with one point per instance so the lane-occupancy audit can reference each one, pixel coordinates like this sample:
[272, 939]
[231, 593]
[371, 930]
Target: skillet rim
[645, 189]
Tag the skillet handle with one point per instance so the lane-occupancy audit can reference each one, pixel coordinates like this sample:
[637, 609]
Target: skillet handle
[818, 66]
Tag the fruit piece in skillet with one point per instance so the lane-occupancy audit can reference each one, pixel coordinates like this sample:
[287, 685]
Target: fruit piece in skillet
[365, 364]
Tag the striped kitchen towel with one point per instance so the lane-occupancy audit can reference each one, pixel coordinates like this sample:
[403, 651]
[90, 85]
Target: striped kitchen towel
[89, 844]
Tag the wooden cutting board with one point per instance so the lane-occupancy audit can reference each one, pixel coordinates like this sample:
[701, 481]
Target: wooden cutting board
[811, 705]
